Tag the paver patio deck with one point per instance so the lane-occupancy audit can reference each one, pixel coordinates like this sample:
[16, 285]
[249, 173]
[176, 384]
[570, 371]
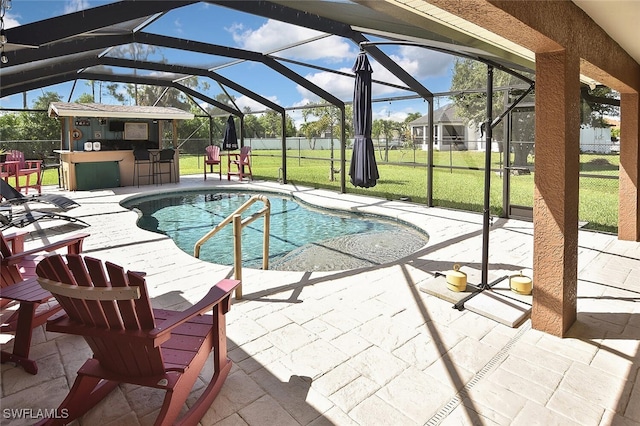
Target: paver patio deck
[366, 347]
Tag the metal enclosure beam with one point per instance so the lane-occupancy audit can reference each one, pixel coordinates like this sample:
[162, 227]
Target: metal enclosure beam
[179, 69]
[66, 48]
[60, 27]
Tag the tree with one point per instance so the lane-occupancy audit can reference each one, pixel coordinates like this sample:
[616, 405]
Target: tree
[32, 125]
[196, 128]
[38, 125]
[615, 133]
[149, 95]
[219, 115]
[472, 107]
[9, 127]
[140, 94]
[85, 98]
[386, 129]
[113, 89]
[329, 120]
[252, 126]
[271, 123]
[405, 127]
[136, 52]
[595, 104]
[290, 125]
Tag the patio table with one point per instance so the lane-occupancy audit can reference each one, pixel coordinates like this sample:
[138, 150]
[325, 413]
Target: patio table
[30, 295]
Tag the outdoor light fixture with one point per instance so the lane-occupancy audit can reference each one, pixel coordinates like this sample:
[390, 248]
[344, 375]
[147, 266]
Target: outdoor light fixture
[6, 4]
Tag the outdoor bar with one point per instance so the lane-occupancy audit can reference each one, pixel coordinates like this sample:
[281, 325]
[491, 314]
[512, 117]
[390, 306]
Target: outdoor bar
[98, 141]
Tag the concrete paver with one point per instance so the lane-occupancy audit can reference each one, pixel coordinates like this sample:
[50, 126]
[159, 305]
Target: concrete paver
[366, 347]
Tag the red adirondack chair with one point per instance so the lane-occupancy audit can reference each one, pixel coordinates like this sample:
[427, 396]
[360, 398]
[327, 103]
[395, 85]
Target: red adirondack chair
[213, 159]
[28, 168]
[241, 164]
[133, 343]
[18, 283]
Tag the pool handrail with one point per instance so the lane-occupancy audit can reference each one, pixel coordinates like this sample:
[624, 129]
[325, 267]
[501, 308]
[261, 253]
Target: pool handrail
[238, 224]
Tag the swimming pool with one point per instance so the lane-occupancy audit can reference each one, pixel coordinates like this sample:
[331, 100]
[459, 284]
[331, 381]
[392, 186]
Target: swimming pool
[301, 238]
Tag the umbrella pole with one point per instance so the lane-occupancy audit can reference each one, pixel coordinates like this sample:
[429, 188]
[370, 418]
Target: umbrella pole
[487, 180]
[486, 218]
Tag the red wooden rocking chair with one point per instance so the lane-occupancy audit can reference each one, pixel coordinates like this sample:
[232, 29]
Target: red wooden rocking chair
[133, 343]
[18, 283]
[213, 159]
[26, 168]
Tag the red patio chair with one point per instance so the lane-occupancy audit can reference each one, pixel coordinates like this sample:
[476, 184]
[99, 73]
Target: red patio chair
[213, 159]
[27, 168]
[18, 283]
[6, 171]
[241, 162]
[133, 343]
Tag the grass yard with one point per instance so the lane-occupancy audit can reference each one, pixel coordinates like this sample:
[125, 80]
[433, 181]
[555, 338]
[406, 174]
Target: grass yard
[452, 188]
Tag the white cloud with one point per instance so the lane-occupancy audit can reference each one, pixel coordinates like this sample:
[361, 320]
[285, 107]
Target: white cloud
[11, 21]
[388, 113]
[273, 35]
[302, 102]
[164, 75]
[423, 63]
[75, 6]
[338, 85]
[420, 63]
[178, 26]
[245, 101]
[296, 117]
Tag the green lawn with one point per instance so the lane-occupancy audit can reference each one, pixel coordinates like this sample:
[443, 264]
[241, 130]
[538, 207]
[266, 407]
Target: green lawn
[453, 188]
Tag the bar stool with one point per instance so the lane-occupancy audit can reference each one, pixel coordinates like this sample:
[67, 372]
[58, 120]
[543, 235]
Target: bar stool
[165, 156]
[142, 156]
[53, 162]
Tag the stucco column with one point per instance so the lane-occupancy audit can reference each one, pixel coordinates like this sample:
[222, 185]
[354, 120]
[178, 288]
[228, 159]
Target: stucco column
[555, 206]
[629, 204]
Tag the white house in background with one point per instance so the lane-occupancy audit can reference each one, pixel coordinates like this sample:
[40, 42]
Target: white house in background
[596, 139]
[449, 129]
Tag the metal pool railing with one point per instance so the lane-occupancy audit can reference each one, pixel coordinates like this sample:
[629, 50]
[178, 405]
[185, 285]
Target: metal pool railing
[238, 224]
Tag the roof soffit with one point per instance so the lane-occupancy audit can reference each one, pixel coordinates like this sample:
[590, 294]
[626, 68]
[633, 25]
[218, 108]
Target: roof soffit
[619, 19]
[459, 31]
[71, 109]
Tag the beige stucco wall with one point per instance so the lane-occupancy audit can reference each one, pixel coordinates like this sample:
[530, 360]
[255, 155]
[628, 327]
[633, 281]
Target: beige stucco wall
[566, 42]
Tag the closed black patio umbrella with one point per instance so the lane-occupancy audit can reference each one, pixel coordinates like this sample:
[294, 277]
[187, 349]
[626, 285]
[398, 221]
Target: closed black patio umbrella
[230, 140]
[363, 170]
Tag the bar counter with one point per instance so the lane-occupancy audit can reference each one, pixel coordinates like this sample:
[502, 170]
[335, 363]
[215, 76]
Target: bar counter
[86, 170]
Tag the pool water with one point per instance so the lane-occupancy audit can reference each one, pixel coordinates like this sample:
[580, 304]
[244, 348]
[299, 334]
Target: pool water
[301, 238]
